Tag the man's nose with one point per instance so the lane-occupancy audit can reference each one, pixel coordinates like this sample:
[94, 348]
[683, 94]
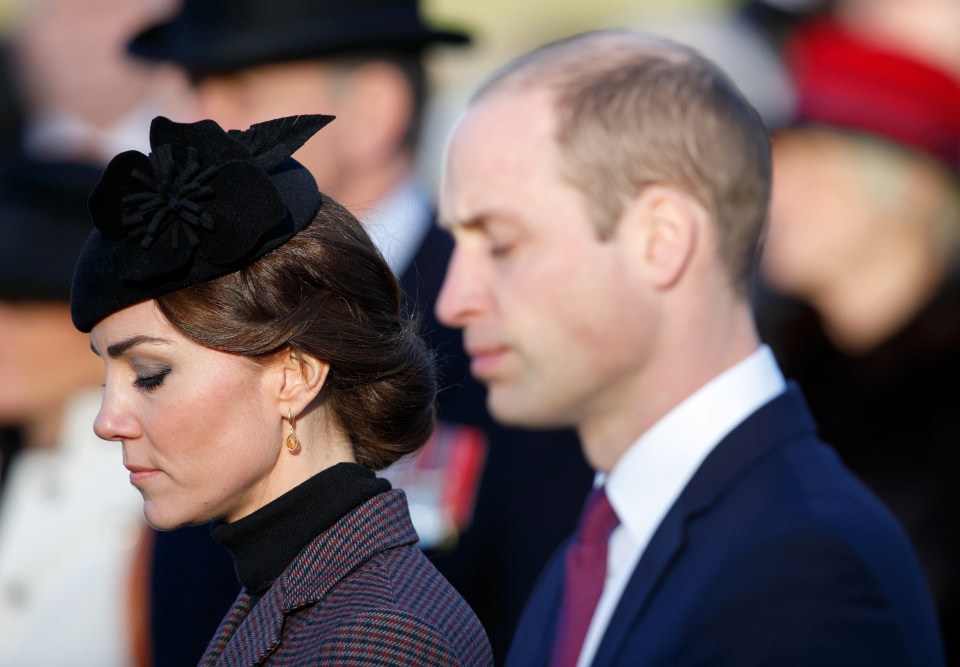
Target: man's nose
[462, 293]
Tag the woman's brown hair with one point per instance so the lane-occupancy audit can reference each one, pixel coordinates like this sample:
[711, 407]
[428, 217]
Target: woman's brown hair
[326, 292]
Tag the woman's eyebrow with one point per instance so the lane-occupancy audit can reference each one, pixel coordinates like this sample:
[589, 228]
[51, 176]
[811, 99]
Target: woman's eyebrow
[122, 346]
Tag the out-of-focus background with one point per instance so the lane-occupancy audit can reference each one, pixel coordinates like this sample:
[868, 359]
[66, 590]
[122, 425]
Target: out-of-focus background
[500, 30]
[858, 289]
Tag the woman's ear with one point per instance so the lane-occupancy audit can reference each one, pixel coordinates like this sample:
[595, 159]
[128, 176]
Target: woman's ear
[301, 377]
[663, 226]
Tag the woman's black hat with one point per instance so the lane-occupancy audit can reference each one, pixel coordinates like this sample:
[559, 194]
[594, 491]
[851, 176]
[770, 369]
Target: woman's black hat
[203, 204]
[215, 36]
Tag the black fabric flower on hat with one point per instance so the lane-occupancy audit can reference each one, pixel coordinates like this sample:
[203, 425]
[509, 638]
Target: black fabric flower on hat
[201, 190]
[203, 203]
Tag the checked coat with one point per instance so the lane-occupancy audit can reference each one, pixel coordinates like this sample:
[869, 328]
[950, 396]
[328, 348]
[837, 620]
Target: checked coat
[361, 593]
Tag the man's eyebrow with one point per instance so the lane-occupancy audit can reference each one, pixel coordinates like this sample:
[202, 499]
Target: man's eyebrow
[122, 346]
[484, 220]
[449, 224]
[477, 221]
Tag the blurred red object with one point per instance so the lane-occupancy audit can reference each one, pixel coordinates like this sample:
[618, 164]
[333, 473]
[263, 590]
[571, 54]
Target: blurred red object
[846, 80]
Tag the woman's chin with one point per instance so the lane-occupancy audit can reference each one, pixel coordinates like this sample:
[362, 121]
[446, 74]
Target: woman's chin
[161, 520]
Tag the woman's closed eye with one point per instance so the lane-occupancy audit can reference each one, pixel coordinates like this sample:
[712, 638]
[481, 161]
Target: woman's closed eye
[151, 380]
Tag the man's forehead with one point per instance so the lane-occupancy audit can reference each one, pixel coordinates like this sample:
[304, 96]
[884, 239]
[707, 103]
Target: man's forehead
[492, 148]
[503, 131]
[508, 105]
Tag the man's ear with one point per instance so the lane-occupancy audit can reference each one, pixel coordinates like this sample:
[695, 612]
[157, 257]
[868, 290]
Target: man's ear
[300, 377]
[664, 225]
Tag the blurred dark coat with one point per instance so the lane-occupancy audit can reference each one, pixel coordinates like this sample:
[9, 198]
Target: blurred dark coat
[893, 414]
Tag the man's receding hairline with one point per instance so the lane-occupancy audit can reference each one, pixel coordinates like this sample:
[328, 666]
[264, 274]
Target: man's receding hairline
[545, 68]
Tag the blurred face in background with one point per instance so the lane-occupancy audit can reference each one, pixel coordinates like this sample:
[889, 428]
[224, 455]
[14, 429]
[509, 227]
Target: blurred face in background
[83, 92]
[43, 360]
[822, 212]
[361, 156]
[239, 99]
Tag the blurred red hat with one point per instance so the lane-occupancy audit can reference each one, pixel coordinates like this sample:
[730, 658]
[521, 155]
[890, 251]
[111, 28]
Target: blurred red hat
[847, 81]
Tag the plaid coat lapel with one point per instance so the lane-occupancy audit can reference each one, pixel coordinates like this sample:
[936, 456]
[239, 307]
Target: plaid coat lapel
[248, 637]
[228, 626]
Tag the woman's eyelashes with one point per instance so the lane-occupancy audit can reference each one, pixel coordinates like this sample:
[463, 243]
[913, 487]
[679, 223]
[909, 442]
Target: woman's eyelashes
[150, 380]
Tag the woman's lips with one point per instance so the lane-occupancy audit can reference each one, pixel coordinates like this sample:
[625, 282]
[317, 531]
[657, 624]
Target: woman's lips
[139, 475]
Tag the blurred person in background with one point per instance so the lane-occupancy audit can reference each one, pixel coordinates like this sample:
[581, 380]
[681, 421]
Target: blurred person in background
[83, 96]
[862, 299]
[777, 19]
[485, 521]
[11, 111]
[74, 549]
[69, 520]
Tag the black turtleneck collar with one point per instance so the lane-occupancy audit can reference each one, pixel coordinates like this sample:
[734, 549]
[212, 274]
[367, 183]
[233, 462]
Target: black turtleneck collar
[264, 543]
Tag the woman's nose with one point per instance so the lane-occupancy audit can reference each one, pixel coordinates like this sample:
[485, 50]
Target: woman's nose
[114, 421]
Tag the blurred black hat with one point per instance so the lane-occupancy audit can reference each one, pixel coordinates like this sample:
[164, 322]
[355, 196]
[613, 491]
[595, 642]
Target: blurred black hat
[216, 36]
[43, 225]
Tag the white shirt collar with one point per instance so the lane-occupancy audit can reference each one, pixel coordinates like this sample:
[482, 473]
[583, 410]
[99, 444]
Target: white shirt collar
[398, 224]
[650, 476]
[60, 133]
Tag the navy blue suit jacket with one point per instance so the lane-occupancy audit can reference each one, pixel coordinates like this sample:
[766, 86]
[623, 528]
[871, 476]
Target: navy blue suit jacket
[774, 554]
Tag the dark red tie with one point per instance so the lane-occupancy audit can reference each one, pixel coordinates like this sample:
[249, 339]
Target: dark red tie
[584, 571]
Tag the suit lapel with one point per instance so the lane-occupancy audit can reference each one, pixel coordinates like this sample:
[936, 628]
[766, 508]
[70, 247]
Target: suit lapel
[257, 633]
[533, 640]
[783, 419]
[666, 544]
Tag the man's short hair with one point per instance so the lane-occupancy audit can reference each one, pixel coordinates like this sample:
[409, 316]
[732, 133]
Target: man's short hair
[634, 111]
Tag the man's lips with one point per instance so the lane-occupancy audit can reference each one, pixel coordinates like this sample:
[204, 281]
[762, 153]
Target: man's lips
[484, 360]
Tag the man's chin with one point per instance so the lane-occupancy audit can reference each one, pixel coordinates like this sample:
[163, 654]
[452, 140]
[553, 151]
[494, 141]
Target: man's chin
[510, 410]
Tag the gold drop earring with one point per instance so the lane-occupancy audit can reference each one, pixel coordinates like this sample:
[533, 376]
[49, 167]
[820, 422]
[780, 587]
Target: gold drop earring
[292, 442]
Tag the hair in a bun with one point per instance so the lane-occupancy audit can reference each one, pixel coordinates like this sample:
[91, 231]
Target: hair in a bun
[328, 293]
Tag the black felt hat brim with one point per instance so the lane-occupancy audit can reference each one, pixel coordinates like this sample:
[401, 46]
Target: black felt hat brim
[218, 36]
